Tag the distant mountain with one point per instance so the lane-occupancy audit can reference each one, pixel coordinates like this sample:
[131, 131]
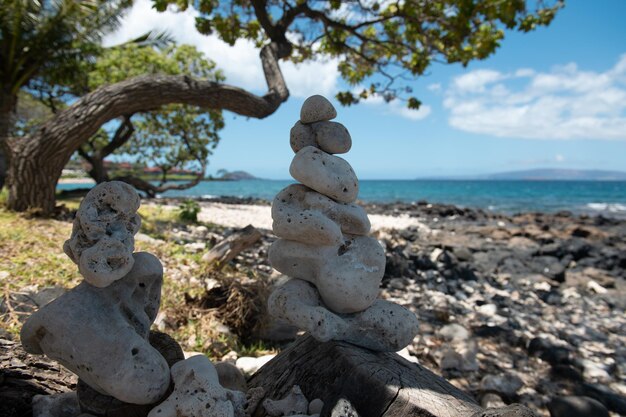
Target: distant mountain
[236, 176]
[558, 174]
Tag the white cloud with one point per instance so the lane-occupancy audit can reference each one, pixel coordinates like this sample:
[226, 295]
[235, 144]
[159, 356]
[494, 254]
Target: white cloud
[398, 107]
[434, 87]
[559, 158]
[241, 63]
[564, 103]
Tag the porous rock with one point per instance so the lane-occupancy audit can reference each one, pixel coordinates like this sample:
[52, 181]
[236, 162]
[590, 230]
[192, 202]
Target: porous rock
[384, 327]
[301, 135]
[332, 137]
[327, 174]
[316, 109]
[294, 403]
[101, 334]
[347, 276]
[102, 240]
[307, 216]
[198, 393]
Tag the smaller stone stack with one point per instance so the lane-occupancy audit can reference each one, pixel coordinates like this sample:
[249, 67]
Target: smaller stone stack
[100, 329]
[335, 267]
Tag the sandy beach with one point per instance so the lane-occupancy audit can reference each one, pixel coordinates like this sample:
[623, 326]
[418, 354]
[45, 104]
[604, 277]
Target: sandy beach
[241, 215]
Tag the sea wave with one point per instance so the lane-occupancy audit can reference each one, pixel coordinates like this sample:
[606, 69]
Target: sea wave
[610, 207]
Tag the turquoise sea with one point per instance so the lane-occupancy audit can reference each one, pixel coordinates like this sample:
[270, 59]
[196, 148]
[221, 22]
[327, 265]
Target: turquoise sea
[593, 197]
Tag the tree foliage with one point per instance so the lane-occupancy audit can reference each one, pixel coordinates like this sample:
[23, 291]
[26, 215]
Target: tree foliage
[380, 45]
[176, 136]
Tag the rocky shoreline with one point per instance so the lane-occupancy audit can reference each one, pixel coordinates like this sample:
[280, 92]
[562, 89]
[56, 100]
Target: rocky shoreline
[526, 308]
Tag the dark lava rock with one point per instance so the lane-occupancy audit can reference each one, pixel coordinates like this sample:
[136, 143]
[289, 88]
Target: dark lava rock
[610, 399]
[572, 406]
[554, 355]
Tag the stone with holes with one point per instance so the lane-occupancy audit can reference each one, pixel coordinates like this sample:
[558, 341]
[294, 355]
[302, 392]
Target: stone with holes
[325, 173]
[101, 334]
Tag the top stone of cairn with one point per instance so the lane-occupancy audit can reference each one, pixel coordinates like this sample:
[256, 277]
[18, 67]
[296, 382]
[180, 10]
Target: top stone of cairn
[317, 109]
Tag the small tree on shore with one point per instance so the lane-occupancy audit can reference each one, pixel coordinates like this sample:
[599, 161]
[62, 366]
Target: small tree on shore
[173, 137]
[386, 41]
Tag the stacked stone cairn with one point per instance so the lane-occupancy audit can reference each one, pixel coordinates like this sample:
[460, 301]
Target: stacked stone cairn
[323, 246]
[100, 330]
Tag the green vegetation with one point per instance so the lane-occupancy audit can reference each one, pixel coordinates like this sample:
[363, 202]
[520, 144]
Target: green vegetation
[32, 258]
[188, 211]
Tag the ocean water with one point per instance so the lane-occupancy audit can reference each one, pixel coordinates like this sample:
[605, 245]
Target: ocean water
[593, 197]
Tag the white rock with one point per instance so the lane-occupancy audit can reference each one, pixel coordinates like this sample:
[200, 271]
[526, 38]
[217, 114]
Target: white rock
[195, 247]
[101, 334]
[325, 173]
[102, 240]
[435, 254]
[294, 403]
[347, 277]
[316, 109]
[56, 405]
[307, 216]
[249, 365]
[198, 393]
[384, 326]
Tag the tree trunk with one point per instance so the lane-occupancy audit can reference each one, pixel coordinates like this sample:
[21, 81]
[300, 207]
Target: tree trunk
[23, 376]
[351, 380]
[37, 160]
[8, 104]
[34, 170]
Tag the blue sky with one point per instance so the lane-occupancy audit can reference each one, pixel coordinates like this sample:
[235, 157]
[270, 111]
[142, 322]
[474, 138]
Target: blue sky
[555, 98]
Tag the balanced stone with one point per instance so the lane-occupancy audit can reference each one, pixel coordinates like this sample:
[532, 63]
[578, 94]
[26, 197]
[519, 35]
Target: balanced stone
[331, 137]
[307, 216]
[301, 135]
[347, 276]
[101, 334]
[198, 393]
[326, 174]
[102, 240]
[316, 109]
[385, 326]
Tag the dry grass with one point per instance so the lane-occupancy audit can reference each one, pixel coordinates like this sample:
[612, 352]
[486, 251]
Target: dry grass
[32, 258]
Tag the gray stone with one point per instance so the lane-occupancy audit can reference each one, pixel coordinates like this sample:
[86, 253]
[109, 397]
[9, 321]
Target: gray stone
[315, 406]
[231, 377]
[102, 240]
[325, 173]
[57, 405]
[332, 137]
[384, 326]
[198, 393]
[505, 383]
[307, 216]
[347, 276]
[573, 406]
[301, 135]
[294, 403]
[316, 109]
[454, 332]
[101, 334]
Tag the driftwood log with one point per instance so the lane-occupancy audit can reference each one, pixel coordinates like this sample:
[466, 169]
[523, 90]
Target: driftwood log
[22, 376]
[353, 381]
[227, 249]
